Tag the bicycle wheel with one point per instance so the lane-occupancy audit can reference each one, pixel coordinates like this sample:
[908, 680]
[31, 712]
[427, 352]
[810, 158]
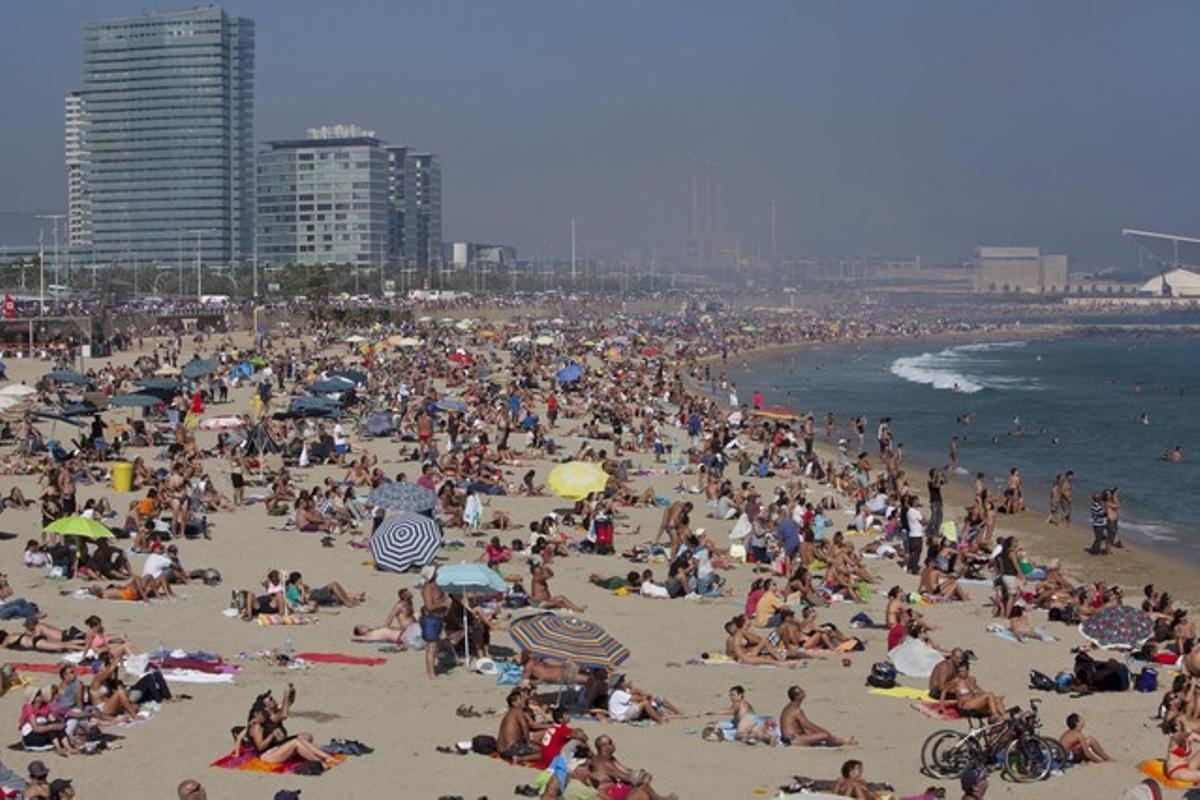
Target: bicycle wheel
[952, 753]
[933, 743]
[1061, 757]
[1028, 759]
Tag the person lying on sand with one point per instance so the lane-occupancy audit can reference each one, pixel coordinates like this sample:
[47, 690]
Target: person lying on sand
[797, 730]
[139, 588]
[299, 595]
[365, 633]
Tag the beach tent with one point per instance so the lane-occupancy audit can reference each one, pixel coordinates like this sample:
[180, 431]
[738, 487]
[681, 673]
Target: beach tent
[74, 378]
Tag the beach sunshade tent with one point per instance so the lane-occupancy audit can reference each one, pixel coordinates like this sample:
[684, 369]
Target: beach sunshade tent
[469, 579]
[79, 526]
[1121, 627]
[577, 479]
[569, 374]
[556, 638]
[198, 368]
[133, 401]
[260, 442]
[74, 378]
[405, 496]
[403, 540]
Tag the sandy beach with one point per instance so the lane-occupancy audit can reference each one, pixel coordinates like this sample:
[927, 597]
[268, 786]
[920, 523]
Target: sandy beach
[396, 710]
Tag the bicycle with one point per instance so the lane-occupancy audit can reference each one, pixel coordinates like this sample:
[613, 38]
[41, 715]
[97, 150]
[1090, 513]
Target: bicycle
[1011, 743]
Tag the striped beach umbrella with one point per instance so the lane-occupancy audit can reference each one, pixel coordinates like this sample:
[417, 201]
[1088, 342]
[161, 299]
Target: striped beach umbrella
[403, 540]
[568, 639]
[405, 496]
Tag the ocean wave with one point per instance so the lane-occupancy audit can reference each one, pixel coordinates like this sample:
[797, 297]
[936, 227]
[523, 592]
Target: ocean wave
[961, 369]
[1156, 532]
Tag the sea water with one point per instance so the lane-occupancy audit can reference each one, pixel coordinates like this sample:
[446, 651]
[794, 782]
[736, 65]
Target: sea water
[1104, 406]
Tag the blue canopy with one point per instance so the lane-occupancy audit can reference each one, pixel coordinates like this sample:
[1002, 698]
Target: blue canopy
[64, 376]
[470, 579]
[451, 405]
[570, 373]
[79, 410]
[134, 401]
[331, 386]
[356, 376]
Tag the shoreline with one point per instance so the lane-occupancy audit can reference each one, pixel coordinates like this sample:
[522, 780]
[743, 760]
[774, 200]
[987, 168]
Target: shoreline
[1139, 562]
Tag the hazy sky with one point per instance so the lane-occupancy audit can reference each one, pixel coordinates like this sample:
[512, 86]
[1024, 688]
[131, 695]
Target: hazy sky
[887, 127]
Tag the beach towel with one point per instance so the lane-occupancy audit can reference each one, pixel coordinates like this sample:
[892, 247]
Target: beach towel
[903, 692]
[914, 658]
[49, 669]
[1154, 768]
[248, 761]
[286, 619]
[935, 710]
[1005, 633]
[341, 658]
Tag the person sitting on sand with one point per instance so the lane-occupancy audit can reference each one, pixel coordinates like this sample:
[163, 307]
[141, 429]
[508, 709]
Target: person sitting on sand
[946, 669]
[1018, 623]
[539, 590]
[98, 642]
[613, 779]
[514, 741]
[1080, 747]
[746, 647]
[40, 726]
[401, 616]
[627, 704]
[266, 736]
[939, 584]
[851, 784]
[797, 730]
[747, 725]
[963, 692]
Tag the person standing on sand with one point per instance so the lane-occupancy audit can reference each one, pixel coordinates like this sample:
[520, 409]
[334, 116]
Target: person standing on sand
[1112, 514]
[1065, 491]
[1055, 498]
[1099, 525]
[937, 479]
[916, 536]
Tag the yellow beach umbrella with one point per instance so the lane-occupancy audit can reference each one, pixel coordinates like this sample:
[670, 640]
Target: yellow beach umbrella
[576, 479]
[79, 526]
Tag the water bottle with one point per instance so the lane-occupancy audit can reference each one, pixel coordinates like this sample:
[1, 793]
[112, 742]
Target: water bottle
[288, 645]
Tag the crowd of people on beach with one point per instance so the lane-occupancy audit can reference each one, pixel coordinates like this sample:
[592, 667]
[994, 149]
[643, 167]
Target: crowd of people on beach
[766, 513]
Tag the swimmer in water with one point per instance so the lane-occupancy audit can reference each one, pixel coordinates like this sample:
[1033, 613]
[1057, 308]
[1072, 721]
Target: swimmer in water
[1144, 418]
[1173, 456]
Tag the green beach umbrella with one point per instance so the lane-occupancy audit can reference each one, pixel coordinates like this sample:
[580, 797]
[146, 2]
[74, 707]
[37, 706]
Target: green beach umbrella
[79, 526]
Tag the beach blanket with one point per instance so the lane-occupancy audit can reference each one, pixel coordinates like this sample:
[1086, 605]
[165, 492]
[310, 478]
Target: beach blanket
[49, 669]
[248, 761]
[342, 658]
[1154, 768]
[286, 619]
[914, 658]
[935, 710]
[903, 692]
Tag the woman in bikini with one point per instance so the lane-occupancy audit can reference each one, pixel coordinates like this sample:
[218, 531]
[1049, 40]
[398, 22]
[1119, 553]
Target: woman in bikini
[36, 642]
[265, 734]
[962, 692]
[1183, 756]
[98, 642]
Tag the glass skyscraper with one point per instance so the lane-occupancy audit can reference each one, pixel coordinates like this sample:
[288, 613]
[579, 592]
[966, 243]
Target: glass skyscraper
[168, 108]
[325, 199]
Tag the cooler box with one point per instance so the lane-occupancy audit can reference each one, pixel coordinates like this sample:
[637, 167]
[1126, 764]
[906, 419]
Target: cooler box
[122, 476]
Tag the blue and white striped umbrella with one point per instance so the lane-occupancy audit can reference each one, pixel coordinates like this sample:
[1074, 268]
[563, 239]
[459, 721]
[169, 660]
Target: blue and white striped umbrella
[403, 540]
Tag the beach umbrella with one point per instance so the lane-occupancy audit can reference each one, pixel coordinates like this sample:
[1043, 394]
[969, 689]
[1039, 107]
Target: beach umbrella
[469, 579]
[159, 387]
[76, 378]
[257, 361]
[451, 405]
[199, 367]
[558, 638]
[405, 539]
[520, 339]
[355, 375]
[134, 401]
[577, 479]
[407, 496]
[56, 417]
[79, 410]
[313, 407]
[331, 386]
[1122, 627]
[569, 374]
[79, 526]
[17, 390]
[221, 423]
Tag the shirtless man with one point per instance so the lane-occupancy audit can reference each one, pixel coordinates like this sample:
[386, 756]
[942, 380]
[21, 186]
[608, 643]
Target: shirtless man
[671, 519]
[1065, 490]
[851, 784]
[944, 670]
[434, 603]
[1082, 748]
[607, 772]
[797, 730]
[513, 742]
[540, 670]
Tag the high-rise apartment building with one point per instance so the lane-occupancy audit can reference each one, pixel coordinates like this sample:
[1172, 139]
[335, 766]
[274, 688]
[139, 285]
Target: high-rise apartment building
[325, 199]
[422, 209]
[397, 160]
[79, 214]
[167, 104]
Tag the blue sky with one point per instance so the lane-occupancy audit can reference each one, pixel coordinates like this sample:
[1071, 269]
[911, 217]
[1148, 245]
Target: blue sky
[902, 128]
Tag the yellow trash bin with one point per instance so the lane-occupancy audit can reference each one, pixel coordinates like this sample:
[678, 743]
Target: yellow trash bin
[122, 476]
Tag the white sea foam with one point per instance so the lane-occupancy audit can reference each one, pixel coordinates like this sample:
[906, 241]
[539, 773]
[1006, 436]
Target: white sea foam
[1149, 530]
[960, 369]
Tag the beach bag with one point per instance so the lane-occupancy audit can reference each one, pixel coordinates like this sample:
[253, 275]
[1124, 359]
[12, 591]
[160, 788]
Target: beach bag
[1041, 681]
[1147, 680]
[604, 537]
[483, 744]
[882, 675]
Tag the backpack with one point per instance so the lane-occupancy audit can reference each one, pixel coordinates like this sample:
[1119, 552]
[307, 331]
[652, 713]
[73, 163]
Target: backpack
[1041, 681]
[882, 675]
[1147, 680]
[483, 744]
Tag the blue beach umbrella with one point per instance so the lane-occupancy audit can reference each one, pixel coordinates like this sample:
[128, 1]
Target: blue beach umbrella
[570, 373]
[65, 376]
[198, 368]
[133, 401]
[451, 405]
[405, 539]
